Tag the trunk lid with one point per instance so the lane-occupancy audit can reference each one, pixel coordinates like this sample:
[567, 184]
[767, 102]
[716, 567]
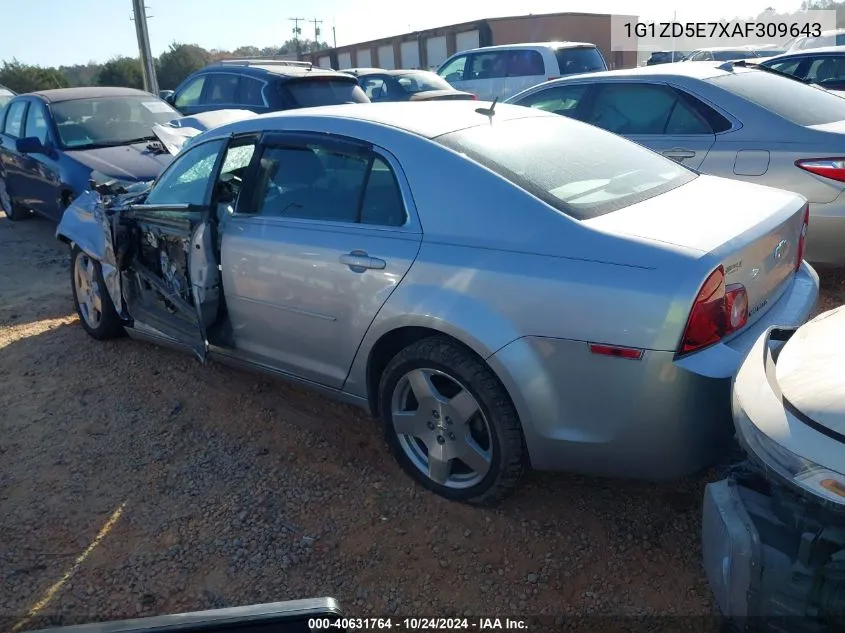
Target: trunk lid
[753, 231]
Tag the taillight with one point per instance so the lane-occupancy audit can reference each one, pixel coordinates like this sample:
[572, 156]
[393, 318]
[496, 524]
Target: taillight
[802, 237]
[716, 312]
[474, 97]
[833, 168]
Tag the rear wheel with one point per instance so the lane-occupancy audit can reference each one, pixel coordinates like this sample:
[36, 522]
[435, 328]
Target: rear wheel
[12, 210]
[91, 298]
[450, 422]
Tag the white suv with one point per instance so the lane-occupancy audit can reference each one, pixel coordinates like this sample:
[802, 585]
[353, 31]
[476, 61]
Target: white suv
[502, 71]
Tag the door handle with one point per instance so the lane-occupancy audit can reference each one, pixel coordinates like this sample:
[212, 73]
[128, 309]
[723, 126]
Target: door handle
[359, 261]
[679, 152]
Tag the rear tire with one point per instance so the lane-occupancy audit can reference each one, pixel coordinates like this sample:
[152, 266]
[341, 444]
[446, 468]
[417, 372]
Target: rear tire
[453, 407]
[13, 211]
[91, 297]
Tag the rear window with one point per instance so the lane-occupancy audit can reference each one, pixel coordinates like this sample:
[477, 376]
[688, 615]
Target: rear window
[306, 93]
[576, 168]
[785, 97]
[586, 59]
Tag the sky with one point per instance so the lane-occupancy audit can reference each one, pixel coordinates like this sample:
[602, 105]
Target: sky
[66, 32]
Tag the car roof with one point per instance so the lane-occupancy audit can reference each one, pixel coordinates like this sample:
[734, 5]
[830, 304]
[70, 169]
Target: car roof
[396, 72]
[257, 69]
[693, 70]
[428, 119]
[823, 50]
[89, 92]
[532, 45]
[721, 48]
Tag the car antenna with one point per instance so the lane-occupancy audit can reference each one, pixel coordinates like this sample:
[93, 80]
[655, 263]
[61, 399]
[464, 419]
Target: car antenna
[488, 111]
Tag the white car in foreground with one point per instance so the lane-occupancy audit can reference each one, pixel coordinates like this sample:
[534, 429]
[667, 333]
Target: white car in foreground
[773, 536]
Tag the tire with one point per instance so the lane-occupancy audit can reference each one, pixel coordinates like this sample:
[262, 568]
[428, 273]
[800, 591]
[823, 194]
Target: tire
[89, 292]
[13, 211]
[464, 412]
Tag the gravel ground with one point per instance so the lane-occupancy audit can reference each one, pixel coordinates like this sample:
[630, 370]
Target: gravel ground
[219, 488]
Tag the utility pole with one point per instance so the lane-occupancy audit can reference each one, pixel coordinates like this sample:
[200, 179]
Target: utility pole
[148, 69]
[317, 31]
[296, 33]
[334, 37]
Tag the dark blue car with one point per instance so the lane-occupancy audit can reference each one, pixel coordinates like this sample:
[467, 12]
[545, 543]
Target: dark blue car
[54, 142]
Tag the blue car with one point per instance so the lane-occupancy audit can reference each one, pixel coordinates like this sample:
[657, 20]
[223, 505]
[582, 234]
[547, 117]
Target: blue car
[53, 143]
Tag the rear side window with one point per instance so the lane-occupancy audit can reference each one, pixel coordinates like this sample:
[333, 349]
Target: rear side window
[632, 108]
[305, 93]
[563, 100]
[794, 101]
[790, 67]
[585, 59]
[578, 169]
[14, 119]
[525, 64]
[251, 91]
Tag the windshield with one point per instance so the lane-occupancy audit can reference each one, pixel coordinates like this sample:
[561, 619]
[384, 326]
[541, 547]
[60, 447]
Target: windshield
[585, 59]
[792, 100]
[422, 82]
[579, 169]
[319, 92]
[109, 121]
[5, 97]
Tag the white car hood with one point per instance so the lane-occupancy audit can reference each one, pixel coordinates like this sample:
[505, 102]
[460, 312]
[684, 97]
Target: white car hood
[811, 370]
[178, 131]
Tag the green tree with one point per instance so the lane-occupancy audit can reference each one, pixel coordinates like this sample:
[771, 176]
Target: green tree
[25, 78]
[121, 71]
[81, 74]
[178, 62]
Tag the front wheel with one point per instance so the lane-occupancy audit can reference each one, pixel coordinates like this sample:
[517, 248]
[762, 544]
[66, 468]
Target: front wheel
[13, 211]
[450, 422]
[91, 298]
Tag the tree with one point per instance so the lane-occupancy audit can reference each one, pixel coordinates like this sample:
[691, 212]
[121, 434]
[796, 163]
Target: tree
[81, 74]
[25, 78]
[121, 71]
[178, 62]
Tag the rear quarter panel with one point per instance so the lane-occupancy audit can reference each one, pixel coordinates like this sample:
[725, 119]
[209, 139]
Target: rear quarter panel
[496, 264]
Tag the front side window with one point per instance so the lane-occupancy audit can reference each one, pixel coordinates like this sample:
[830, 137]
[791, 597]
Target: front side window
[454, 70]
[221, 88]
[826, 69]
[305, 93]
[633, 109]
[322, 183]
[14, 119]
[36, 123]
[488, 66]
[562, 100]
[792, 100]
[109, 121]
[186, 181]
[190, 95]
[374, 87]
[578, 169]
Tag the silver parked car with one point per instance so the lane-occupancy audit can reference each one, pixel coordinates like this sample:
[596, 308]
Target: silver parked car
[727, 120]
[503, 286]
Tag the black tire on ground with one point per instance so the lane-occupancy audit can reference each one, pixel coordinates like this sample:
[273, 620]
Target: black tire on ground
[13, 210]
[509, 455]
[110, 325]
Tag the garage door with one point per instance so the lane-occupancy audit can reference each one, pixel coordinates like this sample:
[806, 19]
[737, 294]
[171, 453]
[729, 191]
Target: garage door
[344, 60]
[365, 59]
[324, 62]
[385, 57]
[435, 48]
[466, 40]
[410, 55]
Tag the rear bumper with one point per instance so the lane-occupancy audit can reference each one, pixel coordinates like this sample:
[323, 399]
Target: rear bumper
[656, 418]
[826, 233]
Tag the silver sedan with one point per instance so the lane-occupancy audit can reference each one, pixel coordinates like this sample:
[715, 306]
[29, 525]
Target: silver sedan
[502, 286]
[727, 120]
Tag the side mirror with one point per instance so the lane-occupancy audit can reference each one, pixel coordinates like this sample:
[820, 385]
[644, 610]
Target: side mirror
[30, 145]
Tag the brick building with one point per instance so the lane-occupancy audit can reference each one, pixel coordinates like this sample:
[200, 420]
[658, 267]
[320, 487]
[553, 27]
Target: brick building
[429, 48]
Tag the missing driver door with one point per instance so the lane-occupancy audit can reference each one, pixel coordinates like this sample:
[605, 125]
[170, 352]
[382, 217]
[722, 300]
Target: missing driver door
[170, 270]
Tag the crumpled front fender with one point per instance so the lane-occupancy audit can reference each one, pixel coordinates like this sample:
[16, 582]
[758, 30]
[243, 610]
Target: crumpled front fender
[86, 224]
